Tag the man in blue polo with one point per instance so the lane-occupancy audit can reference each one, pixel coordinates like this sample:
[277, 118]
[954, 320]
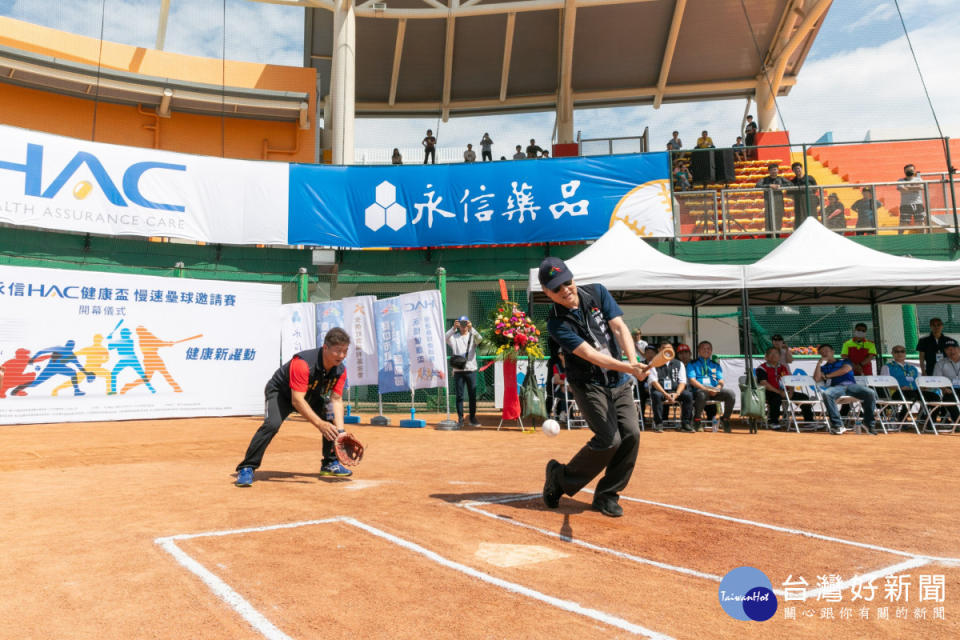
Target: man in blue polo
[838, 374]
[706, 380]
[588, 325]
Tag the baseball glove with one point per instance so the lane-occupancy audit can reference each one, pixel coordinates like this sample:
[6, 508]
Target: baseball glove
[349, 450]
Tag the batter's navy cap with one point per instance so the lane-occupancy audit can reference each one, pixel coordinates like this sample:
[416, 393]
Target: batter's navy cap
[950, 342]
[463, 319]
[553, 273]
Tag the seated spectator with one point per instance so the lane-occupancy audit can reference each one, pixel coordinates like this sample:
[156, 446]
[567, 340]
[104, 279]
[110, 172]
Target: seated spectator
[558, 392]
[949, 367]
[773, 185]
[396, 158]
[706, 378]
[486, 148]
[906, 375]
[911, 198]
[860, 351]
[519, 155]
[681, 177]
[866, 208]
[806, 202]
[838, 374]
[684, 356]
[750, 137]
[644, 389]
[533, 149]
[674, 143]
[769, 375]
[834, 213]
[739, 152]
[786, 356]
[704, 141]
[469, 155]
[668, 385]
[544, 154]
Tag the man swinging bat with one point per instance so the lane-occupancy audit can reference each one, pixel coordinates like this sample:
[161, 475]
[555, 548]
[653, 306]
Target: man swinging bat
[310, 381]
[586, 322]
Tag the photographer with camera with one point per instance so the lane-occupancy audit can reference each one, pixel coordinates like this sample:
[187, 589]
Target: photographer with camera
[463, 339]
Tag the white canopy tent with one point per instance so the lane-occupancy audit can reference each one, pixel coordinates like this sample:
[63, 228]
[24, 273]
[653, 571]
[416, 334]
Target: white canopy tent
[635, 272]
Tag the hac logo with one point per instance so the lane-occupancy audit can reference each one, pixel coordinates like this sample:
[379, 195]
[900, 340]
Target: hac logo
[33, 182]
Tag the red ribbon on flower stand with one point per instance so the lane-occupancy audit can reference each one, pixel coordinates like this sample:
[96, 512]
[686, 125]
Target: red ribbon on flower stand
[511, 398]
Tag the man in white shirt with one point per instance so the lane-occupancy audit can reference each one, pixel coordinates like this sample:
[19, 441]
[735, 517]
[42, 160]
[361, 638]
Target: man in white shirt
[469, 155]
[911, 198]
[463, 339]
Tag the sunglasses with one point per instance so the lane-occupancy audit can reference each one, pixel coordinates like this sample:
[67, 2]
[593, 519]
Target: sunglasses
[899, 351]
[560, 287]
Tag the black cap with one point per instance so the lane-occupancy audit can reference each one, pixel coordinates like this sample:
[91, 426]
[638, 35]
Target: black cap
[553, 273]
[950, 342]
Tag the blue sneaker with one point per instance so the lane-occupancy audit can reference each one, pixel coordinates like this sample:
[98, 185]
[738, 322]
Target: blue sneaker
[245, 477]
[335, 469]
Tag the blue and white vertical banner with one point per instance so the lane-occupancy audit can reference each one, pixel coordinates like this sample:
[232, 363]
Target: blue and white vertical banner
[329, 315]
[65, 184]
[358, 322]
[393, 363]
[423, 330]
[79, 346]
[297, 329]
[479, 204]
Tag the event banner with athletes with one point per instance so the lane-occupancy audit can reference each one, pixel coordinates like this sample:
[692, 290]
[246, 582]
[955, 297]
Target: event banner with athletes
[65, 184]
[410, 346]
[82, 346]
[480, 203]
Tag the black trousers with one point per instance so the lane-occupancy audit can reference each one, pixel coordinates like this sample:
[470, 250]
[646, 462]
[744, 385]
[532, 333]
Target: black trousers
[430, 152]
[487, 156]
[276, 411]
[468, 380]
[612, 417]
[658, 401]
[700, 398]
[775, 406]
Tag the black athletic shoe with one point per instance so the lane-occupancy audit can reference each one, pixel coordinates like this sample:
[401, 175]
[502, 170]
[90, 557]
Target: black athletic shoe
[551, 488]
[687, 427]
[608, 508]
[657, 428]
[872, 431]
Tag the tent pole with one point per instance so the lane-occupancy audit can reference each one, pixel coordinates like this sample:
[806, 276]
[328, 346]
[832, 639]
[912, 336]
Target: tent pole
[694, 325]
[747, 342]
[877, 333]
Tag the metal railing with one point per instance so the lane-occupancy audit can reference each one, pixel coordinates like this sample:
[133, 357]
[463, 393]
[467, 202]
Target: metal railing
[722, 214]
[615, 145]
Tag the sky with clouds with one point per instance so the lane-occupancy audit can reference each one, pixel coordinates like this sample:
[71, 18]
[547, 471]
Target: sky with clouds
[858, 77]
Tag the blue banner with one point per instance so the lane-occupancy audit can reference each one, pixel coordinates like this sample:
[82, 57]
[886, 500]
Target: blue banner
[482, 203]
[392, 357]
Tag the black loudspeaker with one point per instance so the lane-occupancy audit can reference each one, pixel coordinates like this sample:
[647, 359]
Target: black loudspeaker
[725, 172]
[701, 166]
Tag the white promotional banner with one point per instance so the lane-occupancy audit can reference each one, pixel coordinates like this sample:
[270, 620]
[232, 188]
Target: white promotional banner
[362, 357]
[298, 329]
[83, 346]
[60, 183]
[423, 330]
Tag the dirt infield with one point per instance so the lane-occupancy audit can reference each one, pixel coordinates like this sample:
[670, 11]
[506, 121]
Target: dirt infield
[135, 530]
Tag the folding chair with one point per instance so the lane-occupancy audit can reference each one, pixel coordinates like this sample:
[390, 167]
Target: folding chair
[890, 402]
[930, 407]
[638, 404]
[575, 419]
[806, 384]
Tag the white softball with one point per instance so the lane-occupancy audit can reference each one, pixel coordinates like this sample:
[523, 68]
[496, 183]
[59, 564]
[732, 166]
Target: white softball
[551, 427]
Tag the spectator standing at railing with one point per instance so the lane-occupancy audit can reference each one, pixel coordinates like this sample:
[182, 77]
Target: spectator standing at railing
[396, 158]
[750, 137]
[533, 149]
[866, 208]
[834, 214]
[803, 195]
[469, 155]
[705, 141]
[486, 148]
[674, 143]
[429, 147]
[773, 185]
[519, 155]
[738, 150]
[911, 198]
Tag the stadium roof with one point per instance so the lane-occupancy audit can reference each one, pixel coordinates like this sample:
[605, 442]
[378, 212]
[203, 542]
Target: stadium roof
[449, 57]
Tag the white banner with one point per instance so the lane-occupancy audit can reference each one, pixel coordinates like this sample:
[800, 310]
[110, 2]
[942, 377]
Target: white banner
[358, 322]
[298, 329]
[59, 183]
[83, 346]
[539, 369]
[423, 330]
